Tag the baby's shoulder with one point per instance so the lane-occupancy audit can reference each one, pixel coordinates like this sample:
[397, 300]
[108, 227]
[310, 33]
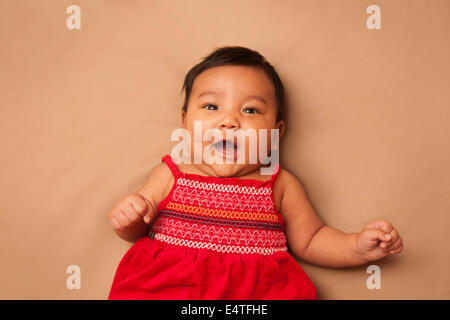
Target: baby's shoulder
[284, 179]
[159, 182]
[161, 171]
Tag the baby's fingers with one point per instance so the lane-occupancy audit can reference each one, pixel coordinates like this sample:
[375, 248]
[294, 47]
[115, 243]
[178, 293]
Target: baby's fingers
[151, 210]
[148, 217]
[139, 204]
[394, 236]
[116, 225]
[377, 235]
[398, 250]
[120, 220]
[381, 224]
[396, 245]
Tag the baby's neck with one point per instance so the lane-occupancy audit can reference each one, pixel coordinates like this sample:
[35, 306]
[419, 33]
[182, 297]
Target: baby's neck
[246, 172]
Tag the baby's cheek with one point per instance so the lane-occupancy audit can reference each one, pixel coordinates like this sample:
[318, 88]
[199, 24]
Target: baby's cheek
[265, 143]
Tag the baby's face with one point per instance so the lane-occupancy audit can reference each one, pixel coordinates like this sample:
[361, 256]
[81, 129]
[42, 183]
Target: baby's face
[233, 98]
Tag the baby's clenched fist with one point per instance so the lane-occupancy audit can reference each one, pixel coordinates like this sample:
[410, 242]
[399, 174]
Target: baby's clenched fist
[377, 240]
[131, 210]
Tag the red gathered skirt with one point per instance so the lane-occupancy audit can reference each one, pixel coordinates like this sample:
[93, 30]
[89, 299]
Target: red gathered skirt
[155, 270]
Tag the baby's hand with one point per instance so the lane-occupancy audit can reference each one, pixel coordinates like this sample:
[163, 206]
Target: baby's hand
[130, 211]
[377, 240]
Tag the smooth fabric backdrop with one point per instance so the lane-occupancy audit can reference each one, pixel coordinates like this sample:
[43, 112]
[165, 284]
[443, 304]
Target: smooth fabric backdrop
[85, 114]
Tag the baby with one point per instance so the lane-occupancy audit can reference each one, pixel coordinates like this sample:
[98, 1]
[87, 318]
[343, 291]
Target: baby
[222, 229]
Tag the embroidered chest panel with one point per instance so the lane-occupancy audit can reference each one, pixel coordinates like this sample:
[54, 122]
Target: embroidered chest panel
[224, 217]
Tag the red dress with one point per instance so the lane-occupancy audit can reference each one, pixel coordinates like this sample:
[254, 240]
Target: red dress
[214, 239]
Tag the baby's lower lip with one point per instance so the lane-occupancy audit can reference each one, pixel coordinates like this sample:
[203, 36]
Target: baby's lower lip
[230, 155]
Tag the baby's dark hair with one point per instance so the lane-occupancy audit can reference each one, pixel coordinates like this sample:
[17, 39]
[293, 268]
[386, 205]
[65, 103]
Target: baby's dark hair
[239, 56]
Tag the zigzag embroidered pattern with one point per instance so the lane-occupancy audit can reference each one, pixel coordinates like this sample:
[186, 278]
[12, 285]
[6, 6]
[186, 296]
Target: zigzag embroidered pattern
[260, 203]
[214, 246]
[220, 222]
[270, 217]
[223, 187]
[219, 235]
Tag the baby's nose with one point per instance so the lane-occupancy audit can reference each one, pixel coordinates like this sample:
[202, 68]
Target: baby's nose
[229, 124]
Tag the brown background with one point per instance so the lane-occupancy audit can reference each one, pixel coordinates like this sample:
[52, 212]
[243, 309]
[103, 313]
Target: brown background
[85, 114]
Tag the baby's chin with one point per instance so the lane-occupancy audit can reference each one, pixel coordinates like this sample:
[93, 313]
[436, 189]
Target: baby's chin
[231, 170]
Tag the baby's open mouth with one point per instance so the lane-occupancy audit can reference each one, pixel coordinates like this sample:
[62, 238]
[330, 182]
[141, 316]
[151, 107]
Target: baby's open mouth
[227, 147]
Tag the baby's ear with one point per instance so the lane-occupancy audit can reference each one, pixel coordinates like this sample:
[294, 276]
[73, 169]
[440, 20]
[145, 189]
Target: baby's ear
[281, 125]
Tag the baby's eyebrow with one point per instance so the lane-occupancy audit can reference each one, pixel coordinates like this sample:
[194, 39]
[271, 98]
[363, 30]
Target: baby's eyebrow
[204, 93]
[253, 96]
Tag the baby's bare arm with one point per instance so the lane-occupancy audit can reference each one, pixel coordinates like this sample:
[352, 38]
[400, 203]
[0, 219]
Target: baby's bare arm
[133, 215]
[308, 237]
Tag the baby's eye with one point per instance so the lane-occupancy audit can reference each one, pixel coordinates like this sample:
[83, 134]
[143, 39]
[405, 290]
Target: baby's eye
[251, 110]
[210, 107]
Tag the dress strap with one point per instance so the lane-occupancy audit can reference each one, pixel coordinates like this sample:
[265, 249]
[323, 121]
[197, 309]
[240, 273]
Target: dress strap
[172, 166]
[277, 169]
